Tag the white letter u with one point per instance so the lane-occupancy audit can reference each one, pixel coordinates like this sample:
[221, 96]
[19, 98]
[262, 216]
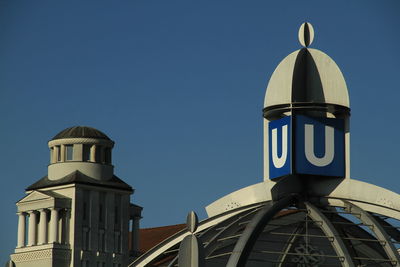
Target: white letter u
[279, 161]
[309, 146]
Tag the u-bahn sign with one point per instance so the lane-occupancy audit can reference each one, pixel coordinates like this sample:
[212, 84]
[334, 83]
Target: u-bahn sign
[306, 145]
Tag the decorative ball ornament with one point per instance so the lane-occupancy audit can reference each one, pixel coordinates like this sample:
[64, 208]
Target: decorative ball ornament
[306, 34]
[192, 221]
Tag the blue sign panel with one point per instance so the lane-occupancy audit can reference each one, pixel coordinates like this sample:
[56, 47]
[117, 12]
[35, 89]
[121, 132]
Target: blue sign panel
[319, 146]
[279, 132]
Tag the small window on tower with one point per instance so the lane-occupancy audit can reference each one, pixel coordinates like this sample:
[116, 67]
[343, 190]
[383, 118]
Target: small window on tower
[86, 152]
[58, 149]
[51, 154]
[98, 153]
[107, 155]
[69, 150]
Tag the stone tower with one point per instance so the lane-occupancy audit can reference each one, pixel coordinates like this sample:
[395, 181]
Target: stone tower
[79, 214]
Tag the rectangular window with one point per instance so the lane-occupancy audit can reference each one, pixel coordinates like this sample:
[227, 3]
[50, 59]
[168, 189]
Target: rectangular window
[107, 155]
[86, 238]
[102, 210]
[98, 154]
[101, 213]
[84, 215]
[102, 240]
[86, 207]
[86, 152]
[119, 243]
[58, 149]
[117, 212]
[69, 150]
[116, 215]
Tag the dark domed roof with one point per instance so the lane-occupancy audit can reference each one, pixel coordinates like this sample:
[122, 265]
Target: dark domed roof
[81, 132]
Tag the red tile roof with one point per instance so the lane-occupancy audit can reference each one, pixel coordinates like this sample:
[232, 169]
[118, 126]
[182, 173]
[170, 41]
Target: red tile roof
[149, 237]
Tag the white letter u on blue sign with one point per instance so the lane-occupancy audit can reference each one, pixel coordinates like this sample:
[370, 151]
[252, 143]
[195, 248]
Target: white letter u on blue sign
[309, 146]
[319, 146]
[279, 154]
[279, 162]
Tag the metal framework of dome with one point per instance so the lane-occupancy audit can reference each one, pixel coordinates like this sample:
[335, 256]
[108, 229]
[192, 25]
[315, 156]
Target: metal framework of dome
[290, 232]
[296, 218]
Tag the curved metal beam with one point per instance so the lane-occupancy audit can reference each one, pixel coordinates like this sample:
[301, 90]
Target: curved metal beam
[330, 231]
[253, 229]
[214, 239]
[289, 245]
[153, 253]
[378, 230]
[228, 230]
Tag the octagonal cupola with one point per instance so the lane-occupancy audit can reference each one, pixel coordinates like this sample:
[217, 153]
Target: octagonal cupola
[81, 148]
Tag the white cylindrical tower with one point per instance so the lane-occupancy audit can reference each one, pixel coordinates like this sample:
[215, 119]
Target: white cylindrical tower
[83, 149]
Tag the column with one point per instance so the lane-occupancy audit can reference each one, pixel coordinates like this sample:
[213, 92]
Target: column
[42, 227]
[62, 153]
[135, 234]
[93, 154]
[53, 233]
[55, 153]
[21, 230]
[66, 229]
[32, 228]
[131, 224]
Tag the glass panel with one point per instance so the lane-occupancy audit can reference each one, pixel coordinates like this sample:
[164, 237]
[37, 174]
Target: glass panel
[69, 152]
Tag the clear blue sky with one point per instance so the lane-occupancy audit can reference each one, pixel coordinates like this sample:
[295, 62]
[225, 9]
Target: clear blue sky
[179, 86]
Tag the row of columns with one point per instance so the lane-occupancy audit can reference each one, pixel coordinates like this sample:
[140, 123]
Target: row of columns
[43, 233]
[58, 153]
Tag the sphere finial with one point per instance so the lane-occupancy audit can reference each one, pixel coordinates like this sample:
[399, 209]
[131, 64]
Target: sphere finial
[306, 34]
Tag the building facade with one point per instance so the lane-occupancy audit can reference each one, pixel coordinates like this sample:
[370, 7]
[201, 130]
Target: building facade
[80, 213]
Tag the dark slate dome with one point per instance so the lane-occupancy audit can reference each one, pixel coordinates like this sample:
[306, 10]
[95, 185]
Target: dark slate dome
[81, 132]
